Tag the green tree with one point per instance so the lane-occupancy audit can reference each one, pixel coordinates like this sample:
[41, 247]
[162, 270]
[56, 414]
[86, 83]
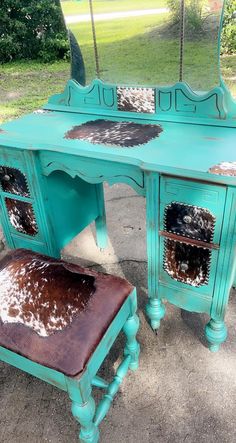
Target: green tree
[32, 29]
[228, 42]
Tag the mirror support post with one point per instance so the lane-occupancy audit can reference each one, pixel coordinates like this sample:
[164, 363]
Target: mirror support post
[182, 32]
[219, 41]
[94, 39]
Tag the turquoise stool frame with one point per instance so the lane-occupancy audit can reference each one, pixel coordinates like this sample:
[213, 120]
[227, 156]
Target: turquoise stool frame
[79, 388]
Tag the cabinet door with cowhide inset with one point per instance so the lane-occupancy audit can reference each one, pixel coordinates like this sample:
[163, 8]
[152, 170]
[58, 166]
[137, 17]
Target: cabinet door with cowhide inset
[191, 217]
[21, 216]
[188, 262]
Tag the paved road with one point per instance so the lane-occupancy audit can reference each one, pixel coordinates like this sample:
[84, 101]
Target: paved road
[113, 15]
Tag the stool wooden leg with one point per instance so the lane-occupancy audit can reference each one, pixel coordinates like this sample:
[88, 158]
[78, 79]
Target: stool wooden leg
[130, 329]
[111, 391]
[83, 407]
[84, 414]
[100, 222]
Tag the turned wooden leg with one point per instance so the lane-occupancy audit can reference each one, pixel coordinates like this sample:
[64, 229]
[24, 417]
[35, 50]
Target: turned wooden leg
[155, 311]
[112, 389]
[234, 283]
[84, 414]
[100, 222]
[216, 333]
[132, 347]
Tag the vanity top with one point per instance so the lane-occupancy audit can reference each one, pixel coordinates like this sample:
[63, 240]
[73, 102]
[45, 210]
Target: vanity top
[181, 149]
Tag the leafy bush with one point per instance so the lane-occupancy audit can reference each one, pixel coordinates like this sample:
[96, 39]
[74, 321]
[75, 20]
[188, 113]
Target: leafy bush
[32, 29]
[228, 42]
[194, 15]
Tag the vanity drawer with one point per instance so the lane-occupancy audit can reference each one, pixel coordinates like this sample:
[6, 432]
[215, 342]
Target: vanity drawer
[192, 209]
[187, 266]
[13, 181]
[13, 158]
[189, 221]
[16, 176]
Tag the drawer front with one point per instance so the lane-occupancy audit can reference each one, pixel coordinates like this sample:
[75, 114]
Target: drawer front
[190, 209]
[16, 177]
[186, 266]
[187, 263]
[13, 158]
[189, 221]
[13, 181]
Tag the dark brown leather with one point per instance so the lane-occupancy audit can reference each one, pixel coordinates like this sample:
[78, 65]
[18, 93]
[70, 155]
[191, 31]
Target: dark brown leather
[83, 302]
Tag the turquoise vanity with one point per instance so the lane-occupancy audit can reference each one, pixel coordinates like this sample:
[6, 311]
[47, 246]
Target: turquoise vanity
[173, 145]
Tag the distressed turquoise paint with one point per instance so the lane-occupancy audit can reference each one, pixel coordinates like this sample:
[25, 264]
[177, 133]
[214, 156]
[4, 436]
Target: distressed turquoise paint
[113, 388]
[69, 174]
[167, 154]
[155, 308]
[92, 171]
[212, 297]
[79, 388]
[66, 178]
[60, 206]
[173, 103]
[100, 222]
[68, 197]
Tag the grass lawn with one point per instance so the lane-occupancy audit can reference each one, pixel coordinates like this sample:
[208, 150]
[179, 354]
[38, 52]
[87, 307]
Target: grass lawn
[139, 51]
[26, 86]
[228, 66]
[131, 51]
[73, 7]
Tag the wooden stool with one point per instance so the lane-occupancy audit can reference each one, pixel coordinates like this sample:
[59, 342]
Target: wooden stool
[58, 323]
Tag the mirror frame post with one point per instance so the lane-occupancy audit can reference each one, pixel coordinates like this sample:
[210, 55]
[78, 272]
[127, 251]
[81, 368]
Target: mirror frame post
[94, 39]
[182, 32]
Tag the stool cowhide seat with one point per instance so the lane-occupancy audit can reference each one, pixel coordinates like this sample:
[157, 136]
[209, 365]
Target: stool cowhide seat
[58, 322]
